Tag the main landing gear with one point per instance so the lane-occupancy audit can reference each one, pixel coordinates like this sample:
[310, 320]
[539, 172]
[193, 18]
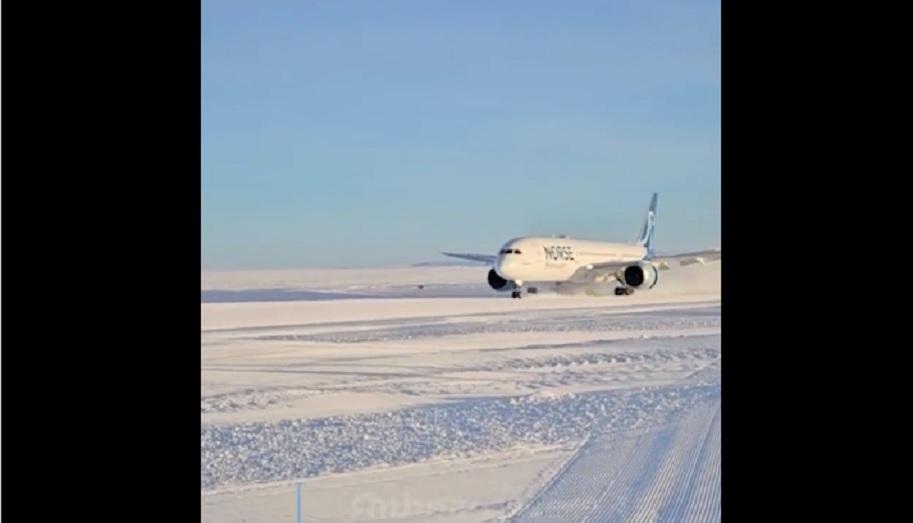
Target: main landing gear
[519, 293]
[623, 291]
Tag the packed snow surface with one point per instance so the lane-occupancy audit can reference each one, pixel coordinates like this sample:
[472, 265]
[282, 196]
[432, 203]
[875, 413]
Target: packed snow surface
[452, 402]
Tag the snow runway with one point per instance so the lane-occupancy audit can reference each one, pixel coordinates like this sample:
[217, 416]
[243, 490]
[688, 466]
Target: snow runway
[463, 409]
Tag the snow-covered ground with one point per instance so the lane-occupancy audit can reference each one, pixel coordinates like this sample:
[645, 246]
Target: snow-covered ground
[454, 403]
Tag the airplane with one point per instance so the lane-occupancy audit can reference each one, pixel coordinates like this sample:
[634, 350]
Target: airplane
[533, 262]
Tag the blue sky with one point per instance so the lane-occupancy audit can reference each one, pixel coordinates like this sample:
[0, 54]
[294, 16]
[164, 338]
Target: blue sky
[354, 133]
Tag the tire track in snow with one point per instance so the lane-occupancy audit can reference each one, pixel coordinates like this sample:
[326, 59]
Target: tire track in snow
[557, 473]
[620, 499]
[703, 493]
[670, 473]
[665, 500]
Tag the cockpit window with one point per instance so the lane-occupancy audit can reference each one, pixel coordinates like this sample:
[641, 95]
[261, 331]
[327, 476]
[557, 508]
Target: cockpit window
[510, 251]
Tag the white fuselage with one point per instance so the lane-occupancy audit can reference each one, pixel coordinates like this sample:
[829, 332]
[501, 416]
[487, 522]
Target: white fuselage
[548, 259]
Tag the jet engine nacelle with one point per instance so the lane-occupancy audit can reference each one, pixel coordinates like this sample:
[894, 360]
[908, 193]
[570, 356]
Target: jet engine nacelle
[498, 283]
[642, 275]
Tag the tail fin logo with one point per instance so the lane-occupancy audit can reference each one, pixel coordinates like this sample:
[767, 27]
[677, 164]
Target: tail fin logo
[646, 235]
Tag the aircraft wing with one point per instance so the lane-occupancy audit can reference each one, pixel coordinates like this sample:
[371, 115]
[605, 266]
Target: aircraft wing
[689, 258]
[597, 272]
[604, 272]
[484, 258]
